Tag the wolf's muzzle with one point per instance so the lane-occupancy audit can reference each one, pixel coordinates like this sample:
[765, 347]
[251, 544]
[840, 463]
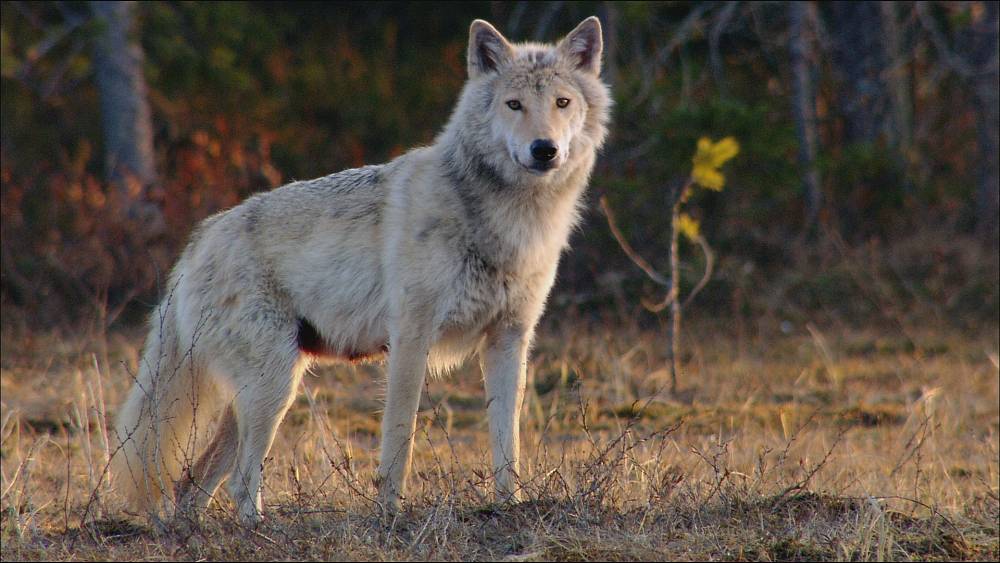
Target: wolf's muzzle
[543, 150]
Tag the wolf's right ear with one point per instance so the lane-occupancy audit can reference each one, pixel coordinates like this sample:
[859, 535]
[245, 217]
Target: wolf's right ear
[487, 49]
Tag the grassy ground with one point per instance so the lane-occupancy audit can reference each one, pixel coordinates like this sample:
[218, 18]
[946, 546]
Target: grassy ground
[822, 443]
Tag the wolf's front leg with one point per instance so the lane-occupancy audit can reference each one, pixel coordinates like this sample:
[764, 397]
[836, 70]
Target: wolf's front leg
[504, 359]
[407, 366]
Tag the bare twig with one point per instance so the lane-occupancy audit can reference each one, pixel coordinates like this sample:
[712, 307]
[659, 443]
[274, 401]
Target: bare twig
[672, 299]
[715, 37]
[709, 268]
[678, 39]
[629, 251]
[952, 60]
[782, 497]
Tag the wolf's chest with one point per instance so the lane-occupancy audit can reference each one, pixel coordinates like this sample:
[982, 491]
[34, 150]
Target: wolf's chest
[484, 292]
[479, 293]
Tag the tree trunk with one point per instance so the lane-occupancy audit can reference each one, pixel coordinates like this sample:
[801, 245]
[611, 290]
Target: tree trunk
[857, 55]
[897, 80]
[802, 16]
[715, 50]
[985, 80]
[128, 130]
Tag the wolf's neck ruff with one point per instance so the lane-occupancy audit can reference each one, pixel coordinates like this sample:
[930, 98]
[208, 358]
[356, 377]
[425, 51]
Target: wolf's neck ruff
[484, 195]
[469, 168]
[508, 210]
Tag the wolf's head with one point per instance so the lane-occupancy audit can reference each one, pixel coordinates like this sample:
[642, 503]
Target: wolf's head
[529, 109]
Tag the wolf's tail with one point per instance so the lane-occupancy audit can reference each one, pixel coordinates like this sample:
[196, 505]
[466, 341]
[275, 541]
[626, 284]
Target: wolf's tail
[169, 404]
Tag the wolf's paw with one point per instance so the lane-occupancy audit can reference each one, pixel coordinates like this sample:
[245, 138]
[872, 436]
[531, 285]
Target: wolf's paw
[187, 516]
[191, 507]
[250, 515]
[390, 503]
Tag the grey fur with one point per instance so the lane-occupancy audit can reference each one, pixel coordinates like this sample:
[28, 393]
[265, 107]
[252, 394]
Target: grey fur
[445, 251]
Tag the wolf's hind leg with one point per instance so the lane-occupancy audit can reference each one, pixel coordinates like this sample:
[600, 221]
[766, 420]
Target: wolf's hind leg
[260, 406]
[195, 489]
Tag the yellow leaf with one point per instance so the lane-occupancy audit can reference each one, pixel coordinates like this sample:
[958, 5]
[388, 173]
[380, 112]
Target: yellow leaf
[704, 147]
[724, 150]
[708, 177]
[709, 158]
[688, 227]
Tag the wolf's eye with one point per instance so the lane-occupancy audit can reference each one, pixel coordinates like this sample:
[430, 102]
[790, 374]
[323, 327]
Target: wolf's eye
[514, 105]
[562, 102]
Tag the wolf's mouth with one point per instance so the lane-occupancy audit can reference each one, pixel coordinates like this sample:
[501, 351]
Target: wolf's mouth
[537, 168]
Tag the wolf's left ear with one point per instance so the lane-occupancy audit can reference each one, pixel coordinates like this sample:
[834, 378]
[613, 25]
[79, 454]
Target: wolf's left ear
[488, 49]
[583, 45]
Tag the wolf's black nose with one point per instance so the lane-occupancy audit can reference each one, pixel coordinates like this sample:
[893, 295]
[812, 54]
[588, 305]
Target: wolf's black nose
[543, 149]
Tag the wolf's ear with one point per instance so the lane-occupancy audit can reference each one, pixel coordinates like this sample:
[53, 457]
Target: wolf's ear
[583, 46]
[487, 49]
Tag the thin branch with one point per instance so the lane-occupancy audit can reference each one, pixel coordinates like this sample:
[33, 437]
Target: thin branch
[782, 497]
[678, 38]
[951, 59]
[684, 30]
[709, 267]
[52, 39]
[652, 273]
[657, 307]
[715, 37]
[629, 251]
[51, 86]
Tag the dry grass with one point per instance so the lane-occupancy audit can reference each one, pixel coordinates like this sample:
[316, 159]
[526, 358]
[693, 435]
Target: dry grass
[822, 444]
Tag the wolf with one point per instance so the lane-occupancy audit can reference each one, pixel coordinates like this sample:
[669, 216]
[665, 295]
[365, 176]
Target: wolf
[447, 251]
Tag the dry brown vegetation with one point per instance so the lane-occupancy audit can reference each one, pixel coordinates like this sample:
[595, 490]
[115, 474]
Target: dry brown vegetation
[816, 445]
[846, 408]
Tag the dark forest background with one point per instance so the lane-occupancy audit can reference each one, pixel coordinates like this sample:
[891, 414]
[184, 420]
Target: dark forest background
[866, 187]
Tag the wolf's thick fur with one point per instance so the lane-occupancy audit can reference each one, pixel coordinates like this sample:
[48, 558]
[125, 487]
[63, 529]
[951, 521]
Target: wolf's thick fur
[447, 250]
